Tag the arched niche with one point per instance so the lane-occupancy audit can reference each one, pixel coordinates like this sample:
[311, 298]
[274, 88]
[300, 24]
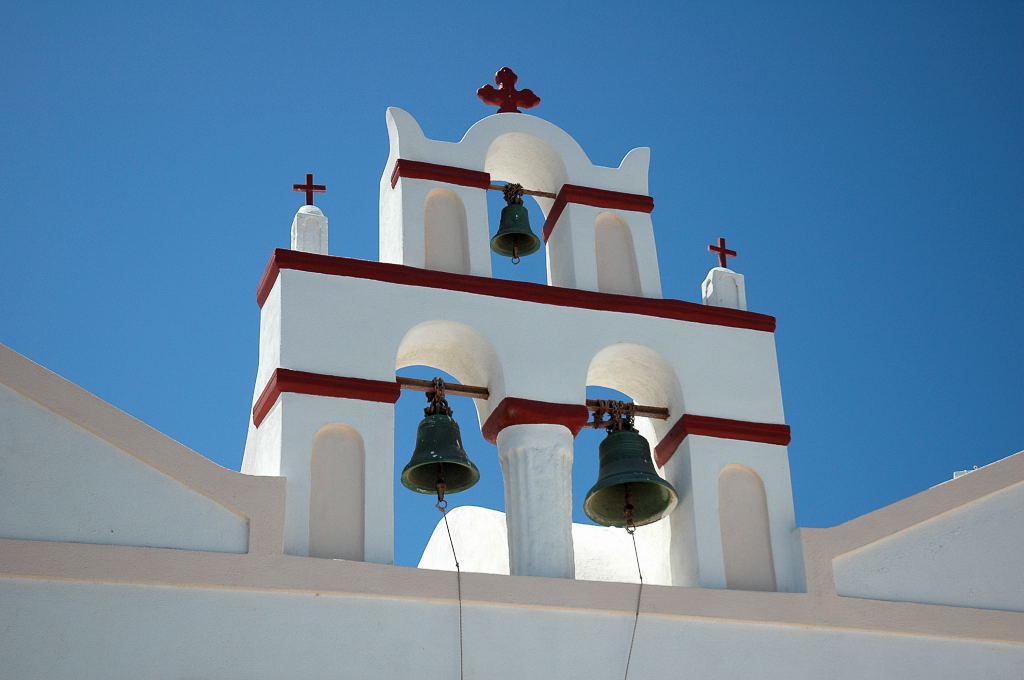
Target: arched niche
[746, 538]
[458, 350]
[337, 494]
[445, 232]
[617, 270]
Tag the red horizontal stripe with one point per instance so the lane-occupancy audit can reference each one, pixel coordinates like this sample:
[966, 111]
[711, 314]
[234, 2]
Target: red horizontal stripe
[513, 290]
[600, 198]
[515, 411]
[302, 382]
[766, 433]
[439, 173]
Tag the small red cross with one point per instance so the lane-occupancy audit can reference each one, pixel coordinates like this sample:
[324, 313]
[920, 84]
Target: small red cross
[722, 251]
[507, 97]
[310, 188]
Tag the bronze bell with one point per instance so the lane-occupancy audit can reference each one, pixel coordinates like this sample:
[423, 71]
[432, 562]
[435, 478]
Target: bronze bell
[629, 492]
[514, 238]
[439, 464]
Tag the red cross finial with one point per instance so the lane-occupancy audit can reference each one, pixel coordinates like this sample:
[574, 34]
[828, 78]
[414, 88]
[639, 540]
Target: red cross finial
[507, 97]
[722, 251]
[310, 188]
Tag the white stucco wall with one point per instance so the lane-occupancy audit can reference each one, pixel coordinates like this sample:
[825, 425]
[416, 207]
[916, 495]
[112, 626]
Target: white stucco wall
[970, 557]
[725, 372]
[600, 553]
[60, 482]
[108, 631]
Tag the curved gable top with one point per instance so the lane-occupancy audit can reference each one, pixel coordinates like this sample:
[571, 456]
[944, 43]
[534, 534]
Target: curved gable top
[476, 149]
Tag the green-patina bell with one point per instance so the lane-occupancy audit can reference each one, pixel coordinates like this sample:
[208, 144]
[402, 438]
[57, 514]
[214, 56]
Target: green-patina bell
[626, 469]
[439, 456]
[514, 237]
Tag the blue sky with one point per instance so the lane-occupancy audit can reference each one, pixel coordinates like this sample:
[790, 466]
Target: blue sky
[866, 159]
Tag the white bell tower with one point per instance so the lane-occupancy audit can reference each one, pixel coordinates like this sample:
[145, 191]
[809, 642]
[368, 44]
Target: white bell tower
[334, 330]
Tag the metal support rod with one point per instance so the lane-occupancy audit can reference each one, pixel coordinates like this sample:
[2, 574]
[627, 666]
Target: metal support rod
[645, 411]
[531, 192]
[476, 392]
[451, 389]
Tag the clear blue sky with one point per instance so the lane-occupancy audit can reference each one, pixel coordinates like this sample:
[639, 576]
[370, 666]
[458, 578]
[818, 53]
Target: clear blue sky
[865, 158]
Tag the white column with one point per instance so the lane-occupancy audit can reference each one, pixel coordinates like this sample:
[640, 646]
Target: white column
[536, 461]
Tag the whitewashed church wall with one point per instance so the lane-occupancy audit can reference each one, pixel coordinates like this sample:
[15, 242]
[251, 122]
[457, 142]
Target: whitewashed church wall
[87, 630]
[972, 556]
[544, 350]
[60, 482]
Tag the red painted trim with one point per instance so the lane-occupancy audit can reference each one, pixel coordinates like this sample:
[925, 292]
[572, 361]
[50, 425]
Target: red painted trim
[512, 290]
[600, 198]
[766, 433]
[439, 173]
[515, 411]
[302, 382]
[552, 219]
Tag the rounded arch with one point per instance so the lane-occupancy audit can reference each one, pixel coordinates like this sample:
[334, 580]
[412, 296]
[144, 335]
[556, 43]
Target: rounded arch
[745, 529]
[445, 232]
[617, 270]
[640, 372]
[337, 491]
[457, 349]
[646, 376]
[528, 160]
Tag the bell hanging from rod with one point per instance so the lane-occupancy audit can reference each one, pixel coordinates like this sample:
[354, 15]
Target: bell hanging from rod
[439, 464]
[629, 492]
[514, 238]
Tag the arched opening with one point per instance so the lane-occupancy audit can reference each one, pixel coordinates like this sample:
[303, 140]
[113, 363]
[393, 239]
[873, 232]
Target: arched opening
[746, 538]
[640, 372]
[415, 514]
[536, 164]
[616, 258]
[336, 494]
[455, 348]
[531, 268]
[445, 232]
[456, 353]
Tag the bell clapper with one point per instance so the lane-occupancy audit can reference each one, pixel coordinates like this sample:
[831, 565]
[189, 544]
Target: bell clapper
[441, 487]
[515, 250]
[627, 510]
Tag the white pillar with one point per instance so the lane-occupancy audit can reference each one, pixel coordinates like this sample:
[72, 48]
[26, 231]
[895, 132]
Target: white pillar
[309, 230]
[724, 288]
[536, 461]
